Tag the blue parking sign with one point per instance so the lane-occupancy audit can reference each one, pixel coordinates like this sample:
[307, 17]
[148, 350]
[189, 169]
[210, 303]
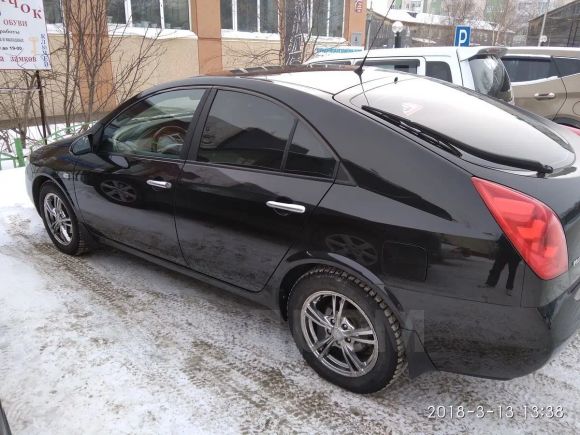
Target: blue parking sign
[462, 36]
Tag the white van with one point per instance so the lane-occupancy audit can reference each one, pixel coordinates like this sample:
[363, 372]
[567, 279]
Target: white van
[477, 68]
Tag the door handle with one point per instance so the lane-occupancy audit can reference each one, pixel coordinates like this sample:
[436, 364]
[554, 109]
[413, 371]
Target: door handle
[544, 96]
[292, 208]
[158, 183]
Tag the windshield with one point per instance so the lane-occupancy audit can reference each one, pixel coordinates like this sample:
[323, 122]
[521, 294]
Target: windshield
[490, 77]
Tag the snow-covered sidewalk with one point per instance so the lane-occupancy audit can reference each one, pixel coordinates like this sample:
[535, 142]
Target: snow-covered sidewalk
[108, 343]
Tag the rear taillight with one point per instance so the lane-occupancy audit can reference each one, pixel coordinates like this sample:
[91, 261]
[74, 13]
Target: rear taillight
[530, 225]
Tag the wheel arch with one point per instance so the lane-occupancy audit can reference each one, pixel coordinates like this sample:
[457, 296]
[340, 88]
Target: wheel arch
[42, 178]
[299, 266]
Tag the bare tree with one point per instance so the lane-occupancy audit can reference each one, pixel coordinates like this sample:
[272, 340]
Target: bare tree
[504, 16]
[93, 72]
[17, 92]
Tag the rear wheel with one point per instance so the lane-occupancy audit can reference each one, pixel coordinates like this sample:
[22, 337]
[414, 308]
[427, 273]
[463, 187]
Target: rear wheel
[60, 221]
[345, 331]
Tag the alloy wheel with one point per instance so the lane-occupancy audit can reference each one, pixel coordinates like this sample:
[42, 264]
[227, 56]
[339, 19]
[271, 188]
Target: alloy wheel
[339, 333]
[57, 218]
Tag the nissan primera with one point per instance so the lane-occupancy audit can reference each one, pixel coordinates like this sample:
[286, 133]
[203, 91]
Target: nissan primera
[392, 219]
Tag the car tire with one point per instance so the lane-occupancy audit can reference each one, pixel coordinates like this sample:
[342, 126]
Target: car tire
[60, 221]
[321, 297]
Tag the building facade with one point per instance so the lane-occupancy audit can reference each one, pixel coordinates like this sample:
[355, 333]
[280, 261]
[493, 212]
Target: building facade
[189, 37]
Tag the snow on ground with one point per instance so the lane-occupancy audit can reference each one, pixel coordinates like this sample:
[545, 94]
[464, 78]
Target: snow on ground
[108, 343]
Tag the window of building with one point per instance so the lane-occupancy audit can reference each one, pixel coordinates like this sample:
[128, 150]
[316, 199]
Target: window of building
[324, 17]
[244, 130]
[52, 11]
[165, 14]
[155, 126]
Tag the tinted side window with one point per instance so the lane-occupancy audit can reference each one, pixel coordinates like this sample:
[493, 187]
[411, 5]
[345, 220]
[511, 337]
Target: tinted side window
[439, 70]
[308, 155]
[245, 130]
[490, 77]
[155, 126]
[566, 66]
[527, 69]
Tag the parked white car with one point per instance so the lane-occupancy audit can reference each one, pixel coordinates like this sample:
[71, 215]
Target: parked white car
[477, 68]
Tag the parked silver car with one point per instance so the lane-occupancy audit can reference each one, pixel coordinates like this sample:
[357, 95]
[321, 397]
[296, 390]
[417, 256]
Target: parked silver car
[546, 81]
[477, 68]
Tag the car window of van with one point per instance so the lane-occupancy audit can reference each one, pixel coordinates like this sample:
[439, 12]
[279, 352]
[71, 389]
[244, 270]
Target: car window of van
[409, 66]
[439, 70]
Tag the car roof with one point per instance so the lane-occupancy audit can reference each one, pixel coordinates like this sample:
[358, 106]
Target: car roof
[546, 51]
[330, 80]
[462, 53]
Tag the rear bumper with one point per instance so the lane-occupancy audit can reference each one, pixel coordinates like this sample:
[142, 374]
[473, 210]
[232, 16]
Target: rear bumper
[491, 341]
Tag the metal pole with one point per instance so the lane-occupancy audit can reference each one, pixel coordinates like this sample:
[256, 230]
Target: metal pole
[543, 24]
[42, 109]
[19, 152]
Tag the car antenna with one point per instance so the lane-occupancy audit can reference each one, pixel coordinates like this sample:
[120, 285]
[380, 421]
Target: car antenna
[359, 69]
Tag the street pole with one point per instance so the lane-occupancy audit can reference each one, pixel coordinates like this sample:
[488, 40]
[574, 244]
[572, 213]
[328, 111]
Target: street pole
[42, 108]
[543, 23]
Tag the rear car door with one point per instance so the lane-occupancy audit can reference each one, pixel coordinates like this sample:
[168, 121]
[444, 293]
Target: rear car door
[569, 71]
[125, 187]
[248, 188]
[535, 83]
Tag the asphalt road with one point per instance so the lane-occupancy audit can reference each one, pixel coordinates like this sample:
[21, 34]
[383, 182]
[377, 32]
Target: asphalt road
[108, 343]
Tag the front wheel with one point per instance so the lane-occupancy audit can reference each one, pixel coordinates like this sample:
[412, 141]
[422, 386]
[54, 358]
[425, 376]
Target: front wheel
[60, 221]
[345, 332]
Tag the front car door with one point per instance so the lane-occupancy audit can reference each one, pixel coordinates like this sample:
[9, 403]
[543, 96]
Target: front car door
[246, 192]
[536, 84]
[125, 187]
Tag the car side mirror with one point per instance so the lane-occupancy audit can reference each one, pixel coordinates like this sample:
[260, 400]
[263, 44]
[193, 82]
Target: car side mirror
[82, 145]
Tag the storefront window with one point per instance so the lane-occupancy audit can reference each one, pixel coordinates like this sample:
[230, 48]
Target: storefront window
[324, 17]
[145, 13]
[52, 11]
[269, 16]
[227, 14]
[176, 14]
[247, 15]
[116, 12]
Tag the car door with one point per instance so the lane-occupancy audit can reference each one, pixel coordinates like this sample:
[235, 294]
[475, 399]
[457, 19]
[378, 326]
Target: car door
[247, 190]
[125, 187]
[535, 84]
[569, 71]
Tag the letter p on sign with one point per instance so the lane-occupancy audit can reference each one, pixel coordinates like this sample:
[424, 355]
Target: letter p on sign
[462, 36]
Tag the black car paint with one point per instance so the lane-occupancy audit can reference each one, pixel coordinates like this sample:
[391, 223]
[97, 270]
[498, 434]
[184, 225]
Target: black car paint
[429, 240]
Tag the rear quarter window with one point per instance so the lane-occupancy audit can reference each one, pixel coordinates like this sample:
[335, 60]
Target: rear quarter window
[567, 66]
[439, 70]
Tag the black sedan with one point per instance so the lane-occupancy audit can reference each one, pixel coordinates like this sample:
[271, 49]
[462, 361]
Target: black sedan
[391, 219]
